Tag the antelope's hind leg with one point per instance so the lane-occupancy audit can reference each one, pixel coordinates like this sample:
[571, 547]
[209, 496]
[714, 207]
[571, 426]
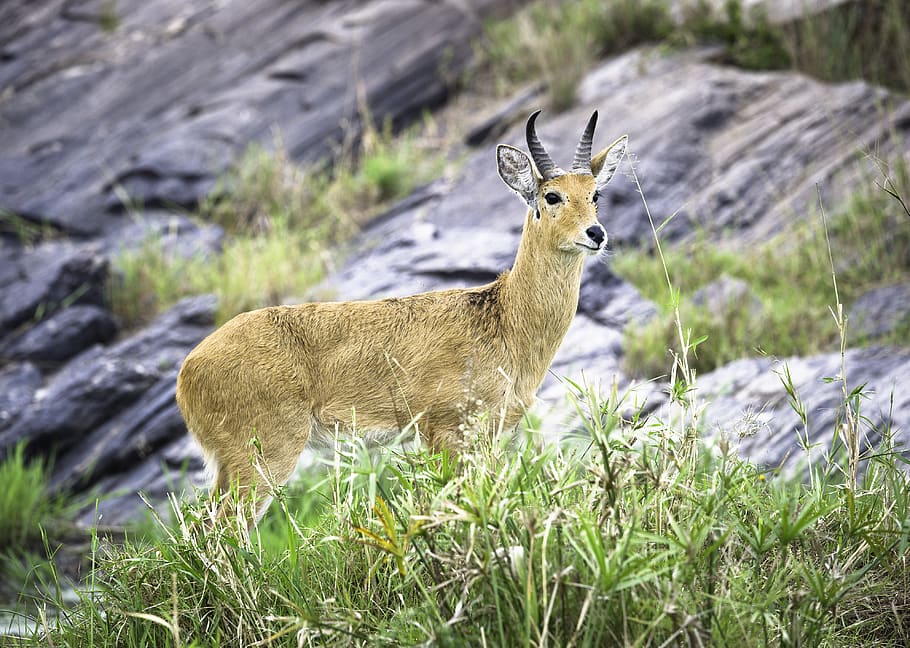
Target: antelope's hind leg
[267, 463]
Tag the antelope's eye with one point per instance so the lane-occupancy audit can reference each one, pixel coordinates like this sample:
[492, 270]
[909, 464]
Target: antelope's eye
[595, 196]
[552, 198]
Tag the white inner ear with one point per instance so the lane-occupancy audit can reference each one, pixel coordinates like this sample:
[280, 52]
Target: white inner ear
[516, 171]
[614, 155]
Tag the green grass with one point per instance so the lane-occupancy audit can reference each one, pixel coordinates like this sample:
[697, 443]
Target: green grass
[859, 40]
[556, 42]
[789, 276]
[280, 220]
[610, 538]
[24, 503]
[33, 524]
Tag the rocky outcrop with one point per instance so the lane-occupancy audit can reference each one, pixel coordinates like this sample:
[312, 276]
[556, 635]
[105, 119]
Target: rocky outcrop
[118, 116]
[746, 402]
[91, 115]
[111, 412]
[158, 98]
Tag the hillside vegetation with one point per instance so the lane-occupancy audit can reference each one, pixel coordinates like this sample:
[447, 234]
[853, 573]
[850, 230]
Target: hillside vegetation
[631, 528]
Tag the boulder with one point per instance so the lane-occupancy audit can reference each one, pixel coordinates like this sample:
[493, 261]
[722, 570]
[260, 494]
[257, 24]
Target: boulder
[63, 335]
[18, 384]
[746, 401]
[100, 103]
[725, 294]
[880, 311]
[100, 383]
[35, 282]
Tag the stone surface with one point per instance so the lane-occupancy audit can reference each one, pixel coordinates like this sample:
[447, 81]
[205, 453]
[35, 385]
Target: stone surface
[61, 336]
[727, 293]
[36, 282]
[100, 383]
[18, 384]
[91, 114]
[746, 398]
[732, 153]
[880, 311]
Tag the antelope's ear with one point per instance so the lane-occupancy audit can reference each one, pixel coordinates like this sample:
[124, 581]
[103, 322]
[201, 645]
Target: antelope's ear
[603, 165]
[517, 171]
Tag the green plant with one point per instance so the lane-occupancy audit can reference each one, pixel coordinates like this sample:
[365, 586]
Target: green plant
[786, 311]
[854, 40]
[280, 220]
[748, 41]
[555, 42]
[24, 503]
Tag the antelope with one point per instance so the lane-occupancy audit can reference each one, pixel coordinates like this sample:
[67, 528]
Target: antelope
[289, 375]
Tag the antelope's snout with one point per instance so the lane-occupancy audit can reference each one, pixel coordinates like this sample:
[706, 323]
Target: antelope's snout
[594, 239]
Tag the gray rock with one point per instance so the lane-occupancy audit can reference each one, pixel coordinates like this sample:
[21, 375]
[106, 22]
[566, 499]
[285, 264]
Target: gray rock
[100, 383]
[747, 402]
[124, 441]
[18, 384]
[880, 311]
[63, 335]
[729, 152]
[36, 282]
[727, 293]
[89, 114]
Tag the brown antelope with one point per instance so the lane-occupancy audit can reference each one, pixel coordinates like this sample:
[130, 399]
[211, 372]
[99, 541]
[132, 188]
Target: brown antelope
[286, 375]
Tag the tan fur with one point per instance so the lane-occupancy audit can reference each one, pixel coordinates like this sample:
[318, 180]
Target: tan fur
[289, 374]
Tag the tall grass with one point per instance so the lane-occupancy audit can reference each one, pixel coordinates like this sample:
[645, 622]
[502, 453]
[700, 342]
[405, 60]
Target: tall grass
[855, 40]
[24, 502]
[554, 42]
[602, 540]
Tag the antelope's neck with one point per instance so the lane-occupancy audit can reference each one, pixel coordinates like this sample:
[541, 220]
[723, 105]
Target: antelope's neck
[539, 300]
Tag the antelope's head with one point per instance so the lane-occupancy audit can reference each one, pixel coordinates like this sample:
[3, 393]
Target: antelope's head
[563, 203]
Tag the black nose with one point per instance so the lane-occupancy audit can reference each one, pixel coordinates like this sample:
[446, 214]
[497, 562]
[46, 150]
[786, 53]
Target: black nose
[596, 233]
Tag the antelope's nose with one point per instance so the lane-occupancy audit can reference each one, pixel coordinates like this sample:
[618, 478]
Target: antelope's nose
[597, 234]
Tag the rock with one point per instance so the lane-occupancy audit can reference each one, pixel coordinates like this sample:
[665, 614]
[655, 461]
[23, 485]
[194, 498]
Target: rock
[100, 383]
[746, 398]
[18, 384]
[125, 440]
[611, 301]
[502, 117]
[38, 281]
[63, 335]
[880, 311]
[729, 152]
[91, 114]
[176, 233]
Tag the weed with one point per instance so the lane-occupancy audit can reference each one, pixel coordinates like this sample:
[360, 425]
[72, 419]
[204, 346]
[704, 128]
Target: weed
[555, 42]
[24, 503]
[854, 40]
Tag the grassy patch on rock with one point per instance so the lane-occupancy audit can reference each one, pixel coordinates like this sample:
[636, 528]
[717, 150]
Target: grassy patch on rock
[554, 42]
[280, 220]
[782, 288]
